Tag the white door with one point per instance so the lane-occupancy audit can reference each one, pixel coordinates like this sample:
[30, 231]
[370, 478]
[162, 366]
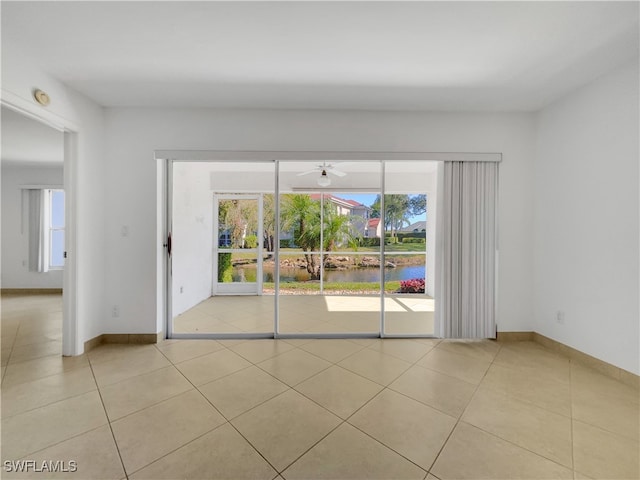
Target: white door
[237, 244]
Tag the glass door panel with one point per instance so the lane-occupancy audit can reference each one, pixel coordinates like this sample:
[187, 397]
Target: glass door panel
[219, 248]
[329, 264]
[238, 244]
[408, 307]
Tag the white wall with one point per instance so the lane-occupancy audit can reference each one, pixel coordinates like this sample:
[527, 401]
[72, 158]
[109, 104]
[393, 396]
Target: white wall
[84, 180]
[132, 134]
[15, 226]
[586, 220]
[192, 235]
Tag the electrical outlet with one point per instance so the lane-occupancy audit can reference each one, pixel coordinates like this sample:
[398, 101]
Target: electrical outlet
[115, 311]
[560, 317]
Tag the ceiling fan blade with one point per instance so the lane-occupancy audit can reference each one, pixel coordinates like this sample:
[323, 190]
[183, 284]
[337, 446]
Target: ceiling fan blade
[315, 170]
[335, 172]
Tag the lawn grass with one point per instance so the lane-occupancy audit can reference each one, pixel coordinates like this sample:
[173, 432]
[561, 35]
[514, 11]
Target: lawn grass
[389, 250]
[394, 247]
[390, 287]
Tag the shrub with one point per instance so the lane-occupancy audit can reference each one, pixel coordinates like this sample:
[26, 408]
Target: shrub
[251, 241]
[413, 240]
[415, 285]
[369, 242]
[225, 268]
[403, 235]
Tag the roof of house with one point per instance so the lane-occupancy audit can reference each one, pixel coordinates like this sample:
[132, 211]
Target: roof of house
[417, 226]
[373, 222]
[338, 200]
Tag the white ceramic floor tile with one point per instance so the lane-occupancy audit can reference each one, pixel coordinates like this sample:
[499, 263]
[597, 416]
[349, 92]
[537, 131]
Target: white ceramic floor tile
[236, 393]
[348, 453]
[376, 366]
[150, 434]
[43, 427]
[204, 369]
[442, 392]
[339, 391]
[285, 427]
[473, 454]
[408, 427]
[219, 454]
[294, 366]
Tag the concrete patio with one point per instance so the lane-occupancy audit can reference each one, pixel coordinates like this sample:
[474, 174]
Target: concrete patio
[309, 314]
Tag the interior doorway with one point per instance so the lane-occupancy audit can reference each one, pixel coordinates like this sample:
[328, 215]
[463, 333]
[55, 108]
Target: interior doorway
[38, 156]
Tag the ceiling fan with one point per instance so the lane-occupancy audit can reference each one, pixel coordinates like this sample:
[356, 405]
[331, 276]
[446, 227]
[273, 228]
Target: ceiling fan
[324, 169]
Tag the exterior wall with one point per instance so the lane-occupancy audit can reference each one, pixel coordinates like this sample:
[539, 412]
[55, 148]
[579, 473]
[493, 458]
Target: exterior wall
[192, 236]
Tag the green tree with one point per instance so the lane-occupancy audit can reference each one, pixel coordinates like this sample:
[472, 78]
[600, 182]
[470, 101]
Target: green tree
[417, 204]
[301, 214]
[239, 218]
[269, 222]
[337, 230]
[398, 210]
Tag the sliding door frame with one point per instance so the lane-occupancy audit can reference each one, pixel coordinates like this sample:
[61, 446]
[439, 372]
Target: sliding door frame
[168, 157]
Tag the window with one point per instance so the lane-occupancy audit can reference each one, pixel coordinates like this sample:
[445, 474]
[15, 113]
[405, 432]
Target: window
[46, 229]
[56, 229]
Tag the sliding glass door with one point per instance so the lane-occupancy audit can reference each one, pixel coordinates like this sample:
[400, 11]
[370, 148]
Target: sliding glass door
[222, 235]
[329, 257]
[409, 248]
[299, 248]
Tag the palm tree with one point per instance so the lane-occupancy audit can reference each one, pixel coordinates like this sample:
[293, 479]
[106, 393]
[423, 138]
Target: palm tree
[269, 222]
[337, 230]
[301, 214]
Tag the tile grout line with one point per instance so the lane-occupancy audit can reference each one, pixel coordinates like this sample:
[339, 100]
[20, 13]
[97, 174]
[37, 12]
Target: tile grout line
[459, 419]
[221, 414]
[177, 448]
[499, 437]
[50, 403]
[342, 421]
[191, 358]
[346, 420]
[15, 338]
[104, 407]
[376, 439]
[25, 457]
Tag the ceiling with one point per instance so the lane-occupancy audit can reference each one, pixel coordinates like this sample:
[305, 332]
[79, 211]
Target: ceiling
[447, 56]
[27, 142]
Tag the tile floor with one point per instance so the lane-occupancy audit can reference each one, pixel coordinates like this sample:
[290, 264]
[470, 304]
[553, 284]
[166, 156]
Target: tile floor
[307, 409]
[404, 314]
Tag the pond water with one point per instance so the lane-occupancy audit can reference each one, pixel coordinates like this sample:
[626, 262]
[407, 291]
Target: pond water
[248, 272]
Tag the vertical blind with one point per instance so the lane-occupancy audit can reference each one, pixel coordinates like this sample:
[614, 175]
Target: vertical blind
[38, 230]
[466, 273]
